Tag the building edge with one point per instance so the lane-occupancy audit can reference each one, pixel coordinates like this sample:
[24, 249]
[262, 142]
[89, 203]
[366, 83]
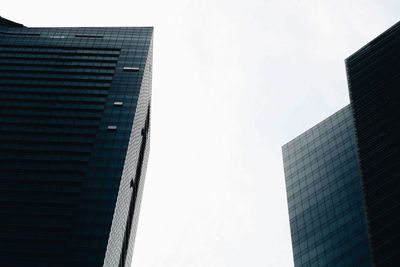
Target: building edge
[125, 192]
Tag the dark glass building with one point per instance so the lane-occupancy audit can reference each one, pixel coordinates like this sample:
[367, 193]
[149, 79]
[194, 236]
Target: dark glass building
[374, 84]
[75, 119]
[358, 151]
[323, 182]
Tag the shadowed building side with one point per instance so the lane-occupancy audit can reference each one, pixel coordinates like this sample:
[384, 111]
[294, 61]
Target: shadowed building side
[75, 120]
[374, 82]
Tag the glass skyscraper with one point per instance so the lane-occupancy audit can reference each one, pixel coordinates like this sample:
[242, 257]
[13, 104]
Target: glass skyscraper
[374, 85]
[343, 175]
[323, 182]
[75, 119]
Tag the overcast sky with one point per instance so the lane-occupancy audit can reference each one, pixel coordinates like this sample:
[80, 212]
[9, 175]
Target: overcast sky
[232, 82]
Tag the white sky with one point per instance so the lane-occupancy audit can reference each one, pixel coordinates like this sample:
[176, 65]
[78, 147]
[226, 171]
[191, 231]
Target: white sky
[232, 82]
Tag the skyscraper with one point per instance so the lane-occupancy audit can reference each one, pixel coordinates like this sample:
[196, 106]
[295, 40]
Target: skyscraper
[75, 119]
[374, 85]
[323, 181]
[363, 158]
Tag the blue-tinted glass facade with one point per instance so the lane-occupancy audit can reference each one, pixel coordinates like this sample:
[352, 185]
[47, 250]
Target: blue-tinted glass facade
[75, 120]
[325, 199]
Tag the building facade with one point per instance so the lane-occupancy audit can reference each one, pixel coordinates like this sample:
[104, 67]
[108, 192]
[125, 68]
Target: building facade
[75, 120]
[358, 165]
[374, 85]
[323, 181]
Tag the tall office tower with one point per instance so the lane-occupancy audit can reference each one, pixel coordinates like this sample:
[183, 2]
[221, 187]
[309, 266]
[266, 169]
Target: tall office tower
[325, 199]
[74, 113]
[374, 85]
